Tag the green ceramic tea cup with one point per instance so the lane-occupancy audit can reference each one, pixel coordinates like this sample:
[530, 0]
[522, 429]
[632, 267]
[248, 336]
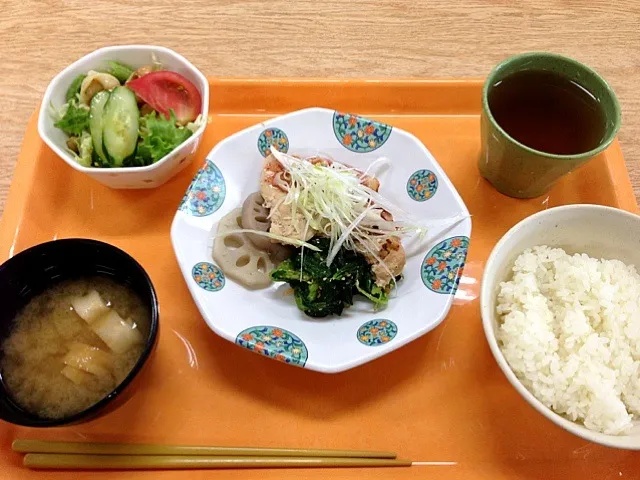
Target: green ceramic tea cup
[518, 170]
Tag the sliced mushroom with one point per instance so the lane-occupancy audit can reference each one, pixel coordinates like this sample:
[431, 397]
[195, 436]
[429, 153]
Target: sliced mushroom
[255, 216]
[95, 82]
[141, 72]
[73, 145]
[238, 258]
[146, 109]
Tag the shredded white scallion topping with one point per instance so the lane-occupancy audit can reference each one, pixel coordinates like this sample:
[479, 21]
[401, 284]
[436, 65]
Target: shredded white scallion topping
[334, 201]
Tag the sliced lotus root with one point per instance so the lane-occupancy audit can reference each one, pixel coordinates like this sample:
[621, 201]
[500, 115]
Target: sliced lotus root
[238, 258]
[256, 217]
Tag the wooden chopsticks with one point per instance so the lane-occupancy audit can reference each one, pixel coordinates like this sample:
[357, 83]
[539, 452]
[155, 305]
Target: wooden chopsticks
[42, 454]
[43, 446]
[181, 462]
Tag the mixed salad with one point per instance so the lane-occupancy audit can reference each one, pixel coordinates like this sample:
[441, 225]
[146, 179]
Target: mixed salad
[121, 117]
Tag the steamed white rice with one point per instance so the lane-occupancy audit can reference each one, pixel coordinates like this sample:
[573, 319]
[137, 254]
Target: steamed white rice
[570, 330]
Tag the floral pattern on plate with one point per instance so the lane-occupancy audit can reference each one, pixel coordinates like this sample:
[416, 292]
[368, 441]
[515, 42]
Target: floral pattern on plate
[442, 267]
[274, 342]
[359, 134]
[208, 276]
[377, 332]
[206, 193]
[272, 137]
[422, 185]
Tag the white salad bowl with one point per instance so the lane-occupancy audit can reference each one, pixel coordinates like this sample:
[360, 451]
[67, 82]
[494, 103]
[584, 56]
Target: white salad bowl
[598, 231]
[149, 176]
[267, 321]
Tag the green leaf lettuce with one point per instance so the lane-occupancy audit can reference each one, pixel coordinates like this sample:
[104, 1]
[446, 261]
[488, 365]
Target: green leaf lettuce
[74, 119]
[158, 137]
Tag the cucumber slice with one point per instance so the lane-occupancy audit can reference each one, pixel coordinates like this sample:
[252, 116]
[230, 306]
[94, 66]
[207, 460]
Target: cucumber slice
[121, 120]
[96, 122]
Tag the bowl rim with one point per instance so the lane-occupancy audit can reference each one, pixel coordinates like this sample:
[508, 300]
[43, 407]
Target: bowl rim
[150, 342]
[43, 114]
[488, 316]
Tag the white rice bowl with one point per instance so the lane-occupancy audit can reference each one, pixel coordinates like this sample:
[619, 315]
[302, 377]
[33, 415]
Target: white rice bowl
[569, 328]
[597, 231]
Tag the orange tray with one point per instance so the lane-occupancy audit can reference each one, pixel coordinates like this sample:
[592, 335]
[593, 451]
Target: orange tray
[440, 398]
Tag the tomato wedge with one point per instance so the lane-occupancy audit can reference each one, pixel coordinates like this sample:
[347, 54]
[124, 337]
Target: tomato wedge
[165, 91]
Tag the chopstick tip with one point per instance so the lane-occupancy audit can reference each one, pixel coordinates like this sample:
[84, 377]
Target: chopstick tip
[16, 445]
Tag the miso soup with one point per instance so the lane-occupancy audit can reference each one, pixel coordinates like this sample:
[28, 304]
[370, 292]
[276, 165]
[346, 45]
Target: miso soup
[71, 345]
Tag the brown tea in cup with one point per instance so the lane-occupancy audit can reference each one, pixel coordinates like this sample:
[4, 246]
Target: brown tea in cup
[548, 111]
[543, 116]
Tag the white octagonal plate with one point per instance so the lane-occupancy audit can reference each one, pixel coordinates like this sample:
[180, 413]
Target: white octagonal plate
[267, 321]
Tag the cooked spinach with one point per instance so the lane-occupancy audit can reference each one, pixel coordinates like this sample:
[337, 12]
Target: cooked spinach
[322, 290]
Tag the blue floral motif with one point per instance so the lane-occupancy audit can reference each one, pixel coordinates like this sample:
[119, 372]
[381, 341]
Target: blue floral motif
[206, 193]
[377, 332]
[442, 267]
[208, 276]
[274, 342]
[272, 137]
[422, 185]
[359, 134]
